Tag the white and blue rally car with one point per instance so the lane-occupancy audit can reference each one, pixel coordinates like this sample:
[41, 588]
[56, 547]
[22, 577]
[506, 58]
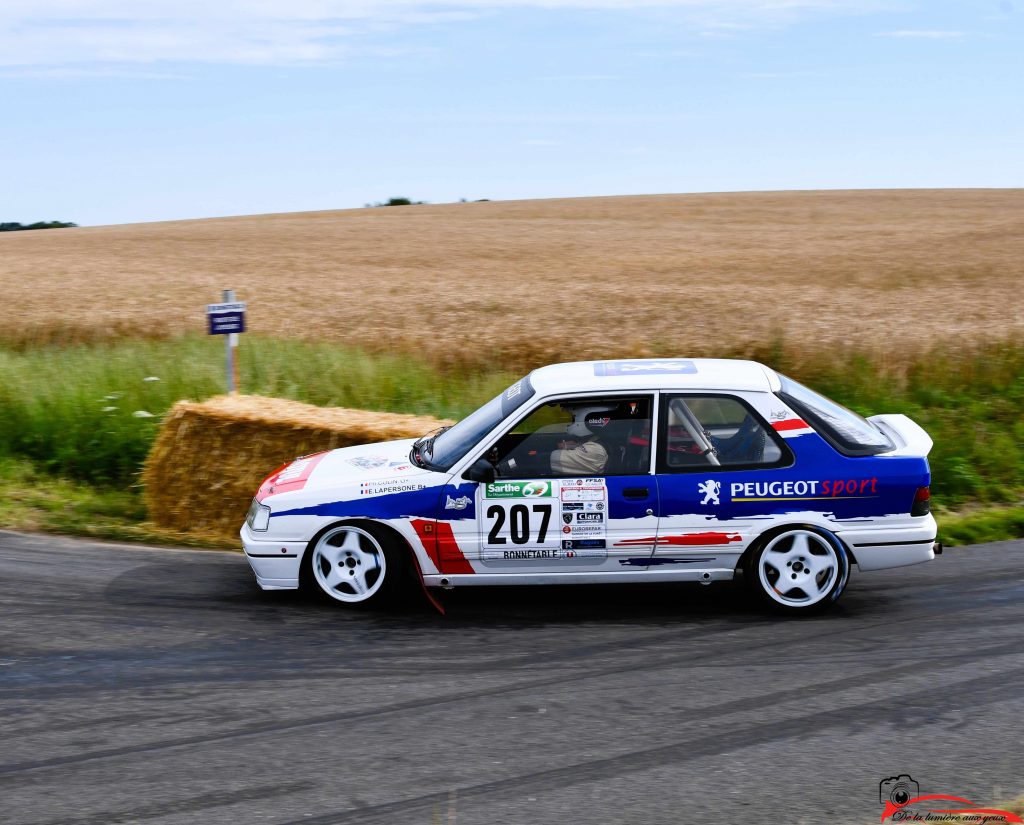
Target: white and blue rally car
[610, 471]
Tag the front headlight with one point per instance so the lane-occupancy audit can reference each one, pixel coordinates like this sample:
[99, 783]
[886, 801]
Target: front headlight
[258, 518]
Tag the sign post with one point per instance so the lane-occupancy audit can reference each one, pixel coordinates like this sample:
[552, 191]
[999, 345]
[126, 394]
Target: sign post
[228, 319]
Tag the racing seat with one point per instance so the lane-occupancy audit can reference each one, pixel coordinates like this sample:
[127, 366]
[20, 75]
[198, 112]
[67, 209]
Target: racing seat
[613, 438]
[745, 446]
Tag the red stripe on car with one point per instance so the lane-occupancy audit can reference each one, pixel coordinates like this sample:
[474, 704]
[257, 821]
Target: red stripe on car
[688, 540]
[274, 483]
[791, 424]
[440, 544]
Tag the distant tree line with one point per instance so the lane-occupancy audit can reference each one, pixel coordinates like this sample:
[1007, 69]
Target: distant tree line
[395, 202]
[410, 202]
[18, 227]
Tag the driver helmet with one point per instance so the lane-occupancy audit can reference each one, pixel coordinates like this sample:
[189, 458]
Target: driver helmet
[588, 420]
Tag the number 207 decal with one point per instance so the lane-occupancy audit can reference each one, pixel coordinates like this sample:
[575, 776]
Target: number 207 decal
[518, 523]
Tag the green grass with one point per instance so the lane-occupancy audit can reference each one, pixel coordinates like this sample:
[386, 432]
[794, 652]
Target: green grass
[974, 527]
[32, 500]
[970, 399]
[91, 413]
[88, 414]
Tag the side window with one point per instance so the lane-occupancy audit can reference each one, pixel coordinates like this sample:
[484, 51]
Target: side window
[705, 431]
[590, 436]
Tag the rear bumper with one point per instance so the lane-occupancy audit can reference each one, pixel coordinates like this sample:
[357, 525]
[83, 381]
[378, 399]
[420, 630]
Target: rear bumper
[275, 563]
[879, 548]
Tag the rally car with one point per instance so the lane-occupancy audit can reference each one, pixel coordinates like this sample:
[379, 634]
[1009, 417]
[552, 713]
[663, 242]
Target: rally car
[695, 470]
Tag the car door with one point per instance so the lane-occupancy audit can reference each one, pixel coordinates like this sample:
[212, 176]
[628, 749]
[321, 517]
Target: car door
[545, 514]
[707, 443]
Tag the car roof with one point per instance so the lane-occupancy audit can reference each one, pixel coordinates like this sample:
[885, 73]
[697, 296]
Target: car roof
[655, 373]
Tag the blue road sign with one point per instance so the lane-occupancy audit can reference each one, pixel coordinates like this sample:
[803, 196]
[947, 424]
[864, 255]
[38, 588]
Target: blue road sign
[226, 319]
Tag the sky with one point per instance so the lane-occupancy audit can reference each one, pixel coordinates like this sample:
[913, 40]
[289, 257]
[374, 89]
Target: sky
[116, 112]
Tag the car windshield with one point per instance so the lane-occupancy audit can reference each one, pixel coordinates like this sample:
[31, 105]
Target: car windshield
[848, 432]
[446, 448]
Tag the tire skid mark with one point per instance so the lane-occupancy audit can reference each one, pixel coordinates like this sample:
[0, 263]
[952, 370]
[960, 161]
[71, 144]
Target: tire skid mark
[242, 671]
[416, 704]
[978, 691]
[189, 805]
[724, 709]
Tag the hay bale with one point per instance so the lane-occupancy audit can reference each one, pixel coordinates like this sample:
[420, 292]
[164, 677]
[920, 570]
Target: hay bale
[210, 457]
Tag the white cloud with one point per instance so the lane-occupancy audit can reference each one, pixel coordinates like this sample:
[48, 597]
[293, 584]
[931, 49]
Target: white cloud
[923, 34]
[84, 33]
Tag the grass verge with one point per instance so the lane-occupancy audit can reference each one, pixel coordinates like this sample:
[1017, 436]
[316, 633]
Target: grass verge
[977, 526]
[33, 500]
[76, 422]
[90, 413]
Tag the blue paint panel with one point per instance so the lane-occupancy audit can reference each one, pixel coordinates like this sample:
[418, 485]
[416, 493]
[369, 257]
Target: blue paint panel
[878, 486]
[620, 507]
[426, 503]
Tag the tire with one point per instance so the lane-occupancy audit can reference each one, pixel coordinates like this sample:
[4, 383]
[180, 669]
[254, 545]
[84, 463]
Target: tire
[799, 570]
[358, 564]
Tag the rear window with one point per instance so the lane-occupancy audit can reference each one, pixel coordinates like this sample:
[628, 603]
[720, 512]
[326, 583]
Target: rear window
[848, 432]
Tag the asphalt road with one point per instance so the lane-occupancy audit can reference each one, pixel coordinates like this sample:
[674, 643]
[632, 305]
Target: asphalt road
[161, 686]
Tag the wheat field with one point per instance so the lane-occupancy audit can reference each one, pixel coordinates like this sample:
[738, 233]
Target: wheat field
[881, 272]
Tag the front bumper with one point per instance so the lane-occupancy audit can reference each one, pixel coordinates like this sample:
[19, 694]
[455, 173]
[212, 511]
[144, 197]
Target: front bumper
[275, 563]
[879, 548]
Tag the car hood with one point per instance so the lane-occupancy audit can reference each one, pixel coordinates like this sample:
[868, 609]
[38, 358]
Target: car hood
[368, 462]
[380, 463]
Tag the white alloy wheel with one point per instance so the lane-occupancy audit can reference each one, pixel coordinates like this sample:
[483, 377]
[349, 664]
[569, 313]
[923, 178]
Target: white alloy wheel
[801, 568]
[349, 564]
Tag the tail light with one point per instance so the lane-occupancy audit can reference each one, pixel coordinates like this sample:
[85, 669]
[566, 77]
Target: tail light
[922, 502]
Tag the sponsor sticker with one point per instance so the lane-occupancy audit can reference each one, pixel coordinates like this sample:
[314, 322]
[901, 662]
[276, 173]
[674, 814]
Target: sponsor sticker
[376, 488]
[518, 489]
[584, 548]
[524, 515]
[460, 503]
[521, 555]
[711, 492]
[583, 494]
[293, 471]
[814, 489]
[368, 462]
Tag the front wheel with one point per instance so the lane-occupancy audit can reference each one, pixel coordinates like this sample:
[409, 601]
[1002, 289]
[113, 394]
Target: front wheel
[799, 570]
[356, 565]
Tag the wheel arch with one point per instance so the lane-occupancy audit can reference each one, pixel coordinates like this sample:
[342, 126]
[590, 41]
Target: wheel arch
[763, 538]
[375, 526]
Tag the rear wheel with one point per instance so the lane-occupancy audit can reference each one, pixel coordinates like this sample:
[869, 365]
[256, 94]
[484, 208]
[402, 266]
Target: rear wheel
[799, 570]
[356, 564]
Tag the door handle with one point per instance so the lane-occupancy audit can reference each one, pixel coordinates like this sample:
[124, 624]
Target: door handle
[636, 492]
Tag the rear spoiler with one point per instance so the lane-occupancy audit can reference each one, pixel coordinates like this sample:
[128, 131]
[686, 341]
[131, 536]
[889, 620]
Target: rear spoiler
[908, 436]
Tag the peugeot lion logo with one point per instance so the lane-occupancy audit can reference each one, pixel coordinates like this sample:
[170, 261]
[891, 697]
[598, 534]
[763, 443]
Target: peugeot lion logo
[710, 489]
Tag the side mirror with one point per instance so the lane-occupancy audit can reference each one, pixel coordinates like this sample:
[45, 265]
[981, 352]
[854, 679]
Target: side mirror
[480, 470]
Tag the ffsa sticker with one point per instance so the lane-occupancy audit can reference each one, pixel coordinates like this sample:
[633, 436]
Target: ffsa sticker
[558, 518]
